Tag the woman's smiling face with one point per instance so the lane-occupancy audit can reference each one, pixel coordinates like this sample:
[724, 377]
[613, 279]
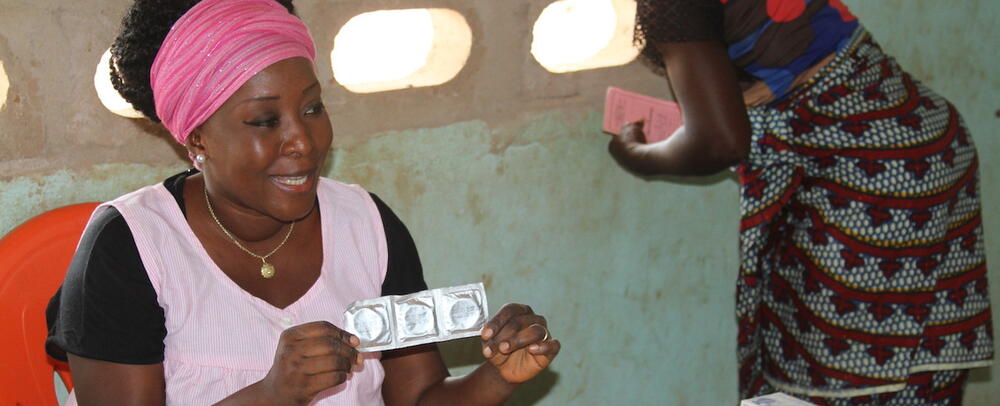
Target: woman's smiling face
[267, 143]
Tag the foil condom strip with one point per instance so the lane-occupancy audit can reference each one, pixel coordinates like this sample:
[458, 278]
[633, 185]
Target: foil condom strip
[435, 315]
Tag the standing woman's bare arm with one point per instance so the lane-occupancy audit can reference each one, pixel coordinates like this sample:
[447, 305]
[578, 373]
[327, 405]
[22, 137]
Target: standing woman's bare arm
[716, 132]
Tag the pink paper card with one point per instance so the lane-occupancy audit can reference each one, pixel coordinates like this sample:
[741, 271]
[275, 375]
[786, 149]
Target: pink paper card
[662, 117]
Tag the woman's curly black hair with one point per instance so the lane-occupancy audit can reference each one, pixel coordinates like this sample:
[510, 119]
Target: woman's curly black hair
[143, 30]
[673, 21]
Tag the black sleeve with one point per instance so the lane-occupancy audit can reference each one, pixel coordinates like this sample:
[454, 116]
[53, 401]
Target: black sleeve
[106, 308]
[675, 21]
[404, 274]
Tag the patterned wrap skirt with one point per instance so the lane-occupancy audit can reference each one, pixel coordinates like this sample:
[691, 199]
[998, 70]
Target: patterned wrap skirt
[861, 251]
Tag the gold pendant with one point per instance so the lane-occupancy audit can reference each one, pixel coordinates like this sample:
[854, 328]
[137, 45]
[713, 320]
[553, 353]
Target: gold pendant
[267, 270]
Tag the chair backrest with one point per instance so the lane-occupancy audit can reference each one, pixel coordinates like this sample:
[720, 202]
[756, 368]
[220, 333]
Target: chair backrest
[33, 262]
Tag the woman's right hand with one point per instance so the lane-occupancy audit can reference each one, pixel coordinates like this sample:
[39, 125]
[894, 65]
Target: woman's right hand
[310, 358]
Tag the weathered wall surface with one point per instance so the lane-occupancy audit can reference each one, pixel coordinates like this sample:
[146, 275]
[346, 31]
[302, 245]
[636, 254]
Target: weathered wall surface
[502, 176]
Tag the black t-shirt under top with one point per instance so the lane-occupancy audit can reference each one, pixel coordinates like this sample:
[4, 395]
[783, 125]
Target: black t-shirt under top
[107, 309]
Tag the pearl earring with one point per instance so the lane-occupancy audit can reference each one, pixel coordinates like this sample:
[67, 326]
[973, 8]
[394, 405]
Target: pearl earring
[200, 158]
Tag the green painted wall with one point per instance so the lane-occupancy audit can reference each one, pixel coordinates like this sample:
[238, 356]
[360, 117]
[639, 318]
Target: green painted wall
[503, 177]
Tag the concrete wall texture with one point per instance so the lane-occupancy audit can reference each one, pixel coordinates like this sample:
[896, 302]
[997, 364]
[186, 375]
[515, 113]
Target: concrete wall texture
[502, 176]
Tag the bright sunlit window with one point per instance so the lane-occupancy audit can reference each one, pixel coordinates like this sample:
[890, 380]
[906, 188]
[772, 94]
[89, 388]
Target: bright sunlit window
[4, 86]
[398, 49]
[107, 93]
[574, 35]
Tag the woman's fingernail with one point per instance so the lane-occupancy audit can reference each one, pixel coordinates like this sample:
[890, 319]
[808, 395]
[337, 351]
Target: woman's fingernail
[504, 346]
[487, 352]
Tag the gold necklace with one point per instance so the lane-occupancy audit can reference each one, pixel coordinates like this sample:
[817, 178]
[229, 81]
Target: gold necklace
[266, 270]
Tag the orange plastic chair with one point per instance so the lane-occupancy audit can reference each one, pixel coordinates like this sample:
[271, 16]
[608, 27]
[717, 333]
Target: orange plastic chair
[33, 261]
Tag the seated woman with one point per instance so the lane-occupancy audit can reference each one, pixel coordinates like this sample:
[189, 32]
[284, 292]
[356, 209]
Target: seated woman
[226, 284]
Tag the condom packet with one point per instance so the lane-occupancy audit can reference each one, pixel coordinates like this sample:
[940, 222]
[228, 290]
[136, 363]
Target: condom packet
[435, 315]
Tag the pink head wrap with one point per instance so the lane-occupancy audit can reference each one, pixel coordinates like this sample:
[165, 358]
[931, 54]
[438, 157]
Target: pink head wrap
[213, 49]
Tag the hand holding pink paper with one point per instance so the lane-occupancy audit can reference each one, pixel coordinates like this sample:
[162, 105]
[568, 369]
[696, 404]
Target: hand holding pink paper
[661, 117]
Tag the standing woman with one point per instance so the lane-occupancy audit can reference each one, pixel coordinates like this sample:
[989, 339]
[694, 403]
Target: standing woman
[862, 274]
[226, 285]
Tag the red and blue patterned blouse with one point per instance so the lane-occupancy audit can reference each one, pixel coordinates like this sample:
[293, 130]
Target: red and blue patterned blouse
[769, 40]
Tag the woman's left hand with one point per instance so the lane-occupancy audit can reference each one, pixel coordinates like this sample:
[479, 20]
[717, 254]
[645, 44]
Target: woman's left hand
[518, 343]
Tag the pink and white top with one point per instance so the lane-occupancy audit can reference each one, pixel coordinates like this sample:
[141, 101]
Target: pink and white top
[221, 339]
